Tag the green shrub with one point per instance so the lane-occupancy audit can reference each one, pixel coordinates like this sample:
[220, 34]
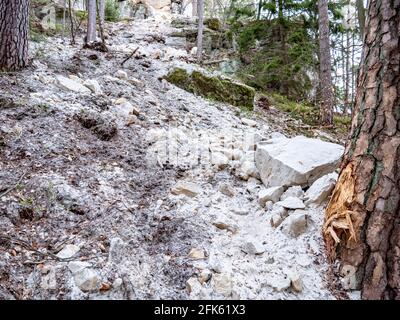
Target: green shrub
[112, 11]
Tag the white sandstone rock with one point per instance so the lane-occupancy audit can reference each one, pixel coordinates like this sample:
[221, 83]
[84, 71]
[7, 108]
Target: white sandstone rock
[296, 224]
[321, 189]
[93, 85]
[71, 85]
[187, 188]
[68, 251]
[295, 191]
[269, 194]
[87, 280]
[296, 161]
[121, 74]
[292, 203]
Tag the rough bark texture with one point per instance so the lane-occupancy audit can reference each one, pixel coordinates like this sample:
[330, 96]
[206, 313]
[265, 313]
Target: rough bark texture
[13, 34]
[91, 26]
[325, 64]
[200, 11]
[364, 212]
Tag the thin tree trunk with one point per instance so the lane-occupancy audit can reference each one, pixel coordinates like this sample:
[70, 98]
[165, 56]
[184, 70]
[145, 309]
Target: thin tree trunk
[102, 11]
[91, 25]
[347, 83]
[200, 11]
[63, 21]
[194, 8]
[71, 19]
[361, 16]
[325, 64]
[13, 34]
[362, 220]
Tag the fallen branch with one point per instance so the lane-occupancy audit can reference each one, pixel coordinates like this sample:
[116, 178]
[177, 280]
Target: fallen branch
[130, 56]
[13, 187]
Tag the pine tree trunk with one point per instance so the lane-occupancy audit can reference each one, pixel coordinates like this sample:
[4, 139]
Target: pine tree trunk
[200, 12]
[13, 34]
[325, 64]
[362, 226]
[91, 26]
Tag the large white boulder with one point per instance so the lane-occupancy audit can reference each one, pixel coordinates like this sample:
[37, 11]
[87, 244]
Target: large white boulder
[296, 161]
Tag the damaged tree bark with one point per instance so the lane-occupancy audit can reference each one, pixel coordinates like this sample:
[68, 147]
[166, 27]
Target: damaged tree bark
[13, 34]
[362, 220]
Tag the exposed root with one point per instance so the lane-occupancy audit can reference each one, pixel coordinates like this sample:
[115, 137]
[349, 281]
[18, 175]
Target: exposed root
[338, 216]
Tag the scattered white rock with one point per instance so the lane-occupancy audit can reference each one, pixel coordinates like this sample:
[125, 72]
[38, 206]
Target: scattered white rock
[269, 194]
[296, 161]
[296, 224]
[253, 247]
[227, 189]
[71, 85]
[193, 285]
[116, 253]
[68, 251]
[219, 160]
[321, 189]
[292, 203]
[196, 254]
[249, 122]
[223, 223]
[248, 169]
[187, 188]
[49, 280]
[93, 85]
[295, 191]
[87, 280]
[278, 282]
[76, 266]
[295, 281]
[204, 276]
[121, 74]
[223, 284]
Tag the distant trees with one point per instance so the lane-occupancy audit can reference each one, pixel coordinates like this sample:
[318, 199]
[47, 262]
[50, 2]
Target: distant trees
[362, 220]
[326, 110]
[13, 34]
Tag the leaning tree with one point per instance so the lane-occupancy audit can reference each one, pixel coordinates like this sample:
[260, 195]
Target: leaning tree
[362, 220]
[13, 34]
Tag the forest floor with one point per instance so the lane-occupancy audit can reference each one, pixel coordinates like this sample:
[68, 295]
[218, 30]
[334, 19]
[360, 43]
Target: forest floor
[86, 208]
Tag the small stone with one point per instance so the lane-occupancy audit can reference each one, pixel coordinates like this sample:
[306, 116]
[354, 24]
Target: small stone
[193, 285]
[93, 85]
[270, 194]
[71, 85]
[295, 191]
[76, 266]
[321, 189]
[253, 247]
[68, 251]
[223, 284]
[117, 283]
[219, 160]
[226, 226]
[296, 224]
[120, 101]
[248, 169]
[292, 203]
[196, 254]
[49, 281]
[296, 282]
[227, 189]
[116, 253]
[248, 122]
[187, 188]
[87, 280]
[279, 282]
[276, 220]
[204, 276]
[121, 74]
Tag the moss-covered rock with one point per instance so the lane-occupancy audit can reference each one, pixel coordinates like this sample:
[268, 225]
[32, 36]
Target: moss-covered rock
[213, 87]
[213, 24]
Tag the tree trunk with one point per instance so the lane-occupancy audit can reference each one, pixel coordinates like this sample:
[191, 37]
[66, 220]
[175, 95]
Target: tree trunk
[200, 11]
[362, 220]
[102, 11]
[91, 25]
[13, 34]
[361, 16]
[71, 19]
[325, 64]
[194, 8]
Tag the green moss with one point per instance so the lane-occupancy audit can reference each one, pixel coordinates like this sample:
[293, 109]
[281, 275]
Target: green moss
[214, 88]
[213, 24]
[112, 11]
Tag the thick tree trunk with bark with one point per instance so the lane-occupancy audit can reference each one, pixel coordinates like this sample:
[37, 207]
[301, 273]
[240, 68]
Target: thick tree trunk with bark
[13, 34]
[362, 226]
[325, 64]
[91, 25]
[200, 12]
